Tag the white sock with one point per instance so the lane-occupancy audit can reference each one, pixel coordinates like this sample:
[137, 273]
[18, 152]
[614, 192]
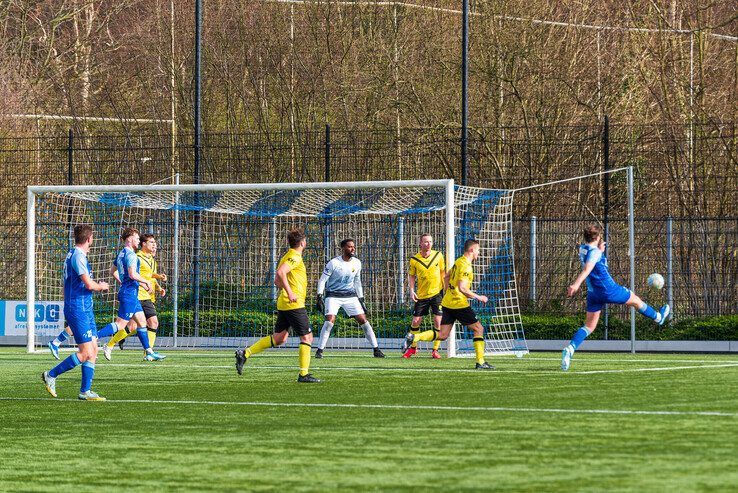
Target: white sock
[325, 333]
[369, 333]
[56, 342]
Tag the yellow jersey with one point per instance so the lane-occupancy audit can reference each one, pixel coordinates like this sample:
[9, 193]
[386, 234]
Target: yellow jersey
[428, 272]
[453, 298]
[296, 278]
[148, 269]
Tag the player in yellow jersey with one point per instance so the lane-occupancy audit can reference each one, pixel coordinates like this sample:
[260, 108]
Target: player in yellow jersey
[291, 278]
[456, 306]
[149, 270]
[428, 268]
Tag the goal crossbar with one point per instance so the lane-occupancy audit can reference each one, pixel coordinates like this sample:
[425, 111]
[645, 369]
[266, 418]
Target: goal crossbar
[236, 187]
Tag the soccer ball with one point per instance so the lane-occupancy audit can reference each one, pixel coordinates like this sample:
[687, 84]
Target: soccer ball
[656, 281]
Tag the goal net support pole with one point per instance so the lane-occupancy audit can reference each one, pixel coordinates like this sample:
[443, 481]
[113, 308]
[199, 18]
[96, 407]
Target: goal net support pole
[631, 230]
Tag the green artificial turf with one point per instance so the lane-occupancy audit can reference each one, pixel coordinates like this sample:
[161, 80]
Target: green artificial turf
[190, 423]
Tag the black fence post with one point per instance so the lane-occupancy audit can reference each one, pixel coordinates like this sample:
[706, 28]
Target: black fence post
[327, 152]
[70, 182]
[327, 249]
[70, 157]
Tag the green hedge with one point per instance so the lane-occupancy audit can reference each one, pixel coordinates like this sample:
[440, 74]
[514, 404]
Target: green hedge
[239, 323]
[723, 328]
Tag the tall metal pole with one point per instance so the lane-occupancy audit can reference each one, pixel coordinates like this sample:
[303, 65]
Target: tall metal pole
[196, 178]
[533, 274]
[631, 254]
[30, 271]
[273, 256]
[172, 87]
[450, 254]
[400, 261]
[175, 267]
[464, 90]
[670, 265]
[606, 201]
[198, 60]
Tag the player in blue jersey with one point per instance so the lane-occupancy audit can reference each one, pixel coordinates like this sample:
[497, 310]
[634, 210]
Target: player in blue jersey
[78, 289]
[341, 285]
[601, 290]
[127, 270]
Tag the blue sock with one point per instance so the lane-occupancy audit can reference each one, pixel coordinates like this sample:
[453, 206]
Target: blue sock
[143, 336]
[66, 365]
[579, 337]
[107, 331]
[88, 371]
[649, 312]
[62, 336]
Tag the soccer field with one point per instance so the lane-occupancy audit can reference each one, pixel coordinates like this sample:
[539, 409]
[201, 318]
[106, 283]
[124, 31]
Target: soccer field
[614, 422]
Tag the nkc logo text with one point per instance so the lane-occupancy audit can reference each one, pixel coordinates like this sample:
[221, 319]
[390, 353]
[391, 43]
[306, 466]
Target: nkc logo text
[48, 313]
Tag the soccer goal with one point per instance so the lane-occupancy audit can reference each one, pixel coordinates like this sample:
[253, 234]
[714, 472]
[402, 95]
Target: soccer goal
[220, 244]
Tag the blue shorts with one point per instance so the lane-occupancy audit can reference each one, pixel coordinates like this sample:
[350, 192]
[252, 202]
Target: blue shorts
[596, 300]
[82, 323]
[127, 307]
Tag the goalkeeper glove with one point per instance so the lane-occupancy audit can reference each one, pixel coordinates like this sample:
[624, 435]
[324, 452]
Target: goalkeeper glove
[363, 305]
[319, 304]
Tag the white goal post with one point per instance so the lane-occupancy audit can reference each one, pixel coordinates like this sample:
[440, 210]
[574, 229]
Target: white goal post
[232, 235]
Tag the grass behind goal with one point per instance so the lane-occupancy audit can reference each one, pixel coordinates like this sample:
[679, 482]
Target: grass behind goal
[613, 423]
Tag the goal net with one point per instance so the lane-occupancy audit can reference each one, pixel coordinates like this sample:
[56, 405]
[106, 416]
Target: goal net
[220, 244]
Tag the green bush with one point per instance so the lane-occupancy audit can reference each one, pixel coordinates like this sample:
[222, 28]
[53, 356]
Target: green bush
[722, 328]
[249, 322]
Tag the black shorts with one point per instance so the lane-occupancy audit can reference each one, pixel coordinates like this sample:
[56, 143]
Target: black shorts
[433, 304]
[297, 319]
[465, 316]
[149, 308]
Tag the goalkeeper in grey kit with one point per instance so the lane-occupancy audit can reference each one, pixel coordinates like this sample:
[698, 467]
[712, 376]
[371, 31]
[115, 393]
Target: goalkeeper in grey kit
[340, 287]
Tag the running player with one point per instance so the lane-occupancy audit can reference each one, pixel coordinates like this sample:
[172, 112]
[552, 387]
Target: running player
[127, 266]
[291, 277]
[149, 271]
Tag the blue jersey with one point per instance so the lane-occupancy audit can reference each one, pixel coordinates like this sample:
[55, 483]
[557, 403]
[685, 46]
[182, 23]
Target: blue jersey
[599, 280]
[75, 291]
[126, 259]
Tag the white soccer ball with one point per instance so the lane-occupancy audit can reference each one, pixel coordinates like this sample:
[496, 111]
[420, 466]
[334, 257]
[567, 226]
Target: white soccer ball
[656, 281]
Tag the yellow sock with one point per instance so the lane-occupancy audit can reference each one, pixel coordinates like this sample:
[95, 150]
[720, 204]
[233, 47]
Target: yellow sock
[304, 358]
[479, 349]
[260, 345]
[436, 344]
[152, 337]
[427, 335]
[133, 331]
[117, 337]
[414, 331]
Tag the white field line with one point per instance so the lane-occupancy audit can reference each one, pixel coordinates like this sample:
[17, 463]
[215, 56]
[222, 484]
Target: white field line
[283, 353]
[397, 407]
[664, 368]
[424, 370]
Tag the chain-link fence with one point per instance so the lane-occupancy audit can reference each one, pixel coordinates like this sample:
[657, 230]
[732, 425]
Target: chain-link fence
[686, 183]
